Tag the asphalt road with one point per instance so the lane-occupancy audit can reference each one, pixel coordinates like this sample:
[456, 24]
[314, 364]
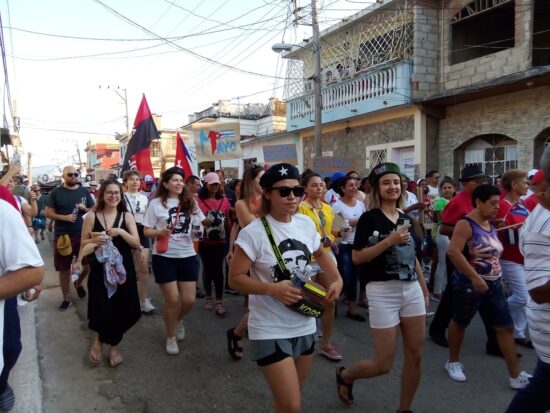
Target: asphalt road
[202, 378]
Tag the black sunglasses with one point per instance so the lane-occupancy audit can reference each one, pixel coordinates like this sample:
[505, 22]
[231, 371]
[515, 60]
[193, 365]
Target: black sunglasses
[285, 191]
[75, 175]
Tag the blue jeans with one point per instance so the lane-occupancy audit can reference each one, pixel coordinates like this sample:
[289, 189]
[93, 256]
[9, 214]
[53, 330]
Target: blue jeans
[535, 398]
[12, 340]
[348, 270]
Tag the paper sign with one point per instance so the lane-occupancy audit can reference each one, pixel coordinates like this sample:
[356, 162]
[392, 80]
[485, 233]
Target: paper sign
[281, 153]
[217, 141]
[326, 166]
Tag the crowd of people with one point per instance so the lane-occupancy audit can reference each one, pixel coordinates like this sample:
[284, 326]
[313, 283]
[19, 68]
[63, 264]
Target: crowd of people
[294, 244]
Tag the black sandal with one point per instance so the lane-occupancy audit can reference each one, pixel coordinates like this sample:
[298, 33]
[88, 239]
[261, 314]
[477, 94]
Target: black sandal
[348, 401]
[233, 345]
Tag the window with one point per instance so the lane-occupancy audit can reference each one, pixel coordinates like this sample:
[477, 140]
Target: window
[390, 46]
[494, 154]
[481, 28]
[377, 156]
[541, 33]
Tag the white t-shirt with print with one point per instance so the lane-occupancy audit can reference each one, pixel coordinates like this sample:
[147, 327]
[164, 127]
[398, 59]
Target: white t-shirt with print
[17, 250]
[298, 239]
[349, 213]
[137, 205]
[180, 243]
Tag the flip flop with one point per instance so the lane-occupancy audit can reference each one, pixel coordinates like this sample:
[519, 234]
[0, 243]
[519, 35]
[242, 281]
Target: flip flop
[115, 359]
[348, 401]
[95, 355]
[235, 351]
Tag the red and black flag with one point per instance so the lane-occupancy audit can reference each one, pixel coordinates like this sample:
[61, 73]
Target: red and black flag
[138, 156]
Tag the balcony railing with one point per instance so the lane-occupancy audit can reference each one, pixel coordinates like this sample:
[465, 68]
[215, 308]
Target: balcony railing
[362, 94]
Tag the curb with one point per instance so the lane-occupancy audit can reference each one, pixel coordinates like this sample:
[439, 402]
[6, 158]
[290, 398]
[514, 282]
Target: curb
[25, 377]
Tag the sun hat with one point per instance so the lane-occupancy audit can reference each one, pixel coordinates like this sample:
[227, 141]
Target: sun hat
[471, 172]
[64, 246]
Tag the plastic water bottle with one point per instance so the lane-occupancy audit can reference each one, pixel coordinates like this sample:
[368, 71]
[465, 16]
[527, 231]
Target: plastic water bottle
[75, 209]
[299, 278]
[21, 297]
[75, 272]
[345, 228]
[374, 238]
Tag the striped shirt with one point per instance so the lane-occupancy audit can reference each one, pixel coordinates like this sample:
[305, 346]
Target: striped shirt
[535, 246]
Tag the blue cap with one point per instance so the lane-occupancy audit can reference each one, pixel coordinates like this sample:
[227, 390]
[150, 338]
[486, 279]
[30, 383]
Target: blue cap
[337, 176]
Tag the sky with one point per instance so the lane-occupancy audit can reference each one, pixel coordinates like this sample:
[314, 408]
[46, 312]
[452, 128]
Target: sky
[67, 59]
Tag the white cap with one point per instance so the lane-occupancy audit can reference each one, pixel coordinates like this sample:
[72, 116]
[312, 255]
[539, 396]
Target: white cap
[532, 173]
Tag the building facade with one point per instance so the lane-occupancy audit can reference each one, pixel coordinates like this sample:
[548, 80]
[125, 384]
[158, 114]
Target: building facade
[429, 84]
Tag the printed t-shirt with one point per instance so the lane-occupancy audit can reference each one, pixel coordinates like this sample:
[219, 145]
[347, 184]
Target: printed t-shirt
[535, 246]
[349, 213]
[457, 208]
[410, 200]
[395, 263]
[63, 201]
[217, 211]
[137, 205]
[513, 214]
[297, 240]
[180, 243]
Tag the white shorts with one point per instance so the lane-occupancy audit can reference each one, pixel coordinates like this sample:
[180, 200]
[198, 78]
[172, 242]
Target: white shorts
[316, 267]
[391, 300]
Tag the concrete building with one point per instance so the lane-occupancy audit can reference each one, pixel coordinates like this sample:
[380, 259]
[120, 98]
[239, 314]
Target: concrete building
[429, 84]
[260, 124]
[103, 157]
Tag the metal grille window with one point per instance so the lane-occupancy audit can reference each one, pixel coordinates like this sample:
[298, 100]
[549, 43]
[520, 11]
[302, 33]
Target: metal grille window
[377, 156]
[495, 155]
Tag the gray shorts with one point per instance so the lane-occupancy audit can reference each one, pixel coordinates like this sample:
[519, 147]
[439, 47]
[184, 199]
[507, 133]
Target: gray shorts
[266, 352]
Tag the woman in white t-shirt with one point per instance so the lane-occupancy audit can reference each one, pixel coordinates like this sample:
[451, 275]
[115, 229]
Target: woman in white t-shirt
[137, 204]
[283, 340]
[349, 208]
[176, 271]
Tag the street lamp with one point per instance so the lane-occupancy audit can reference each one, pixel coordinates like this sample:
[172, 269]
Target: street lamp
[316, 50]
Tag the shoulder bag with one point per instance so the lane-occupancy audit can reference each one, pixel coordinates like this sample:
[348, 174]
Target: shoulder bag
[312, 302]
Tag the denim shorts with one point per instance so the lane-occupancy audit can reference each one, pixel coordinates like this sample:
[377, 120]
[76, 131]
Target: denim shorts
[466, 301]
[175, 269]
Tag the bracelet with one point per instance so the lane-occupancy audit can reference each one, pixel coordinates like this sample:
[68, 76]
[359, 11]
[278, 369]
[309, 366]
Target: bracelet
[29, 226]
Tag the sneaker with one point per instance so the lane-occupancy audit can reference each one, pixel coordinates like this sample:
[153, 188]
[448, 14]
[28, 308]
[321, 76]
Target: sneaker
[172, 346]
[7, 399]
[520, 381]
[64, 305]
[330, 353]
[455, 371]
[147, 307]
[180, 334]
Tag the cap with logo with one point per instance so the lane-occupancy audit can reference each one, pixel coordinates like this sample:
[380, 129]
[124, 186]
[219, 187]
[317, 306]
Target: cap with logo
[383, 169]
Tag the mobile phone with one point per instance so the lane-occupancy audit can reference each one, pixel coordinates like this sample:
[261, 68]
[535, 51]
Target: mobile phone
[16, 159]
[403, 222]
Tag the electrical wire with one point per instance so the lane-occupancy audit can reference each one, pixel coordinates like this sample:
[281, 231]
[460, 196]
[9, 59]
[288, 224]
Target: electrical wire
[183, 49]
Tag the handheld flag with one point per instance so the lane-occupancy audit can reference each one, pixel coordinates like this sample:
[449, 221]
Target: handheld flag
[138, 156]
[183, 158]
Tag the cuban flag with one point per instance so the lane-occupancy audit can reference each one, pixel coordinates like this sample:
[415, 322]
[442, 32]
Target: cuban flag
[183, 159]
[517, 214]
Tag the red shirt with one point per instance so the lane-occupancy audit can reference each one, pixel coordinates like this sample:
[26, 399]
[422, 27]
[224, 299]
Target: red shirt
[531, 202]
[457, 208]
[510, 237]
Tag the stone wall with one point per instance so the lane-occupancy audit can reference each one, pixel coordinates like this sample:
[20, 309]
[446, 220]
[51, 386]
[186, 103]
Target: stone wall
[521, 116]
[492, 66]
[359, 138]
[425, 75]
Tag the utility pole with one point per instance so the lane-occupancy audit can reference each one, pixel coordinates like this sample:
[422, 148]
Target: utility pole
[316, 46]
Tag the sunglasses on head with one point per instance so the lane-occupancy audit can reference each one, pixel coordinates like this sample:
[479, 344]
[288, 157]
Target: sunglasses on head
[73, 174]
[285, 191]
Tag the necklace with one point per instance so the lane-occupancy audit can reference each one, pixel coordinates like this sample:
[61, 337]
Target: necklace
[107, 229]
